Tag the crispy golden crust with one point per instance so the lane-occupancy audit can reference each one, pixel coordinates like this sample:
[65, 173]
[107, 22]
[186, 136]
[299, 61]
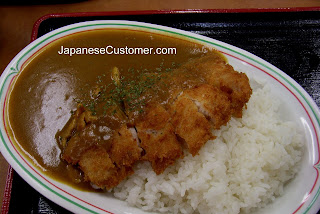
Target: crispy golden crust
[213, 104]
[158, 139]
[99, 169]
[222, 75]
[125, 150]
[154, 117]
[236, 87]
[190, 125]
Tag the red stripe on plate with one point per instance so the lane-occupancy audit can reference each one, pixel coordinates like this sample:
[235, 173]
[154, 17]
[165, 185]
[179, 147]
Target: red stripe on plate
[7, 192]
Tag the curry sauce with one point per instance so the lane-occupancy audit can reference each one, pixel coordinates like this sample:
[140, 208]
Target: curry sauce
[49, 88]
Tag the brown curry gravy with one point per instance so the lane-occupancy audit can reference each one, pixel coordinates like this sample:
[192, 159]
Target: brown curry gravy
[46, 90]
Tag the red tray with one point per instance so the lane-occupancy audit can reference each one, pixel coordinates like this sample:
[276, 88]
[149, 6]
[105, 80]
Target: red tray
[289, 38]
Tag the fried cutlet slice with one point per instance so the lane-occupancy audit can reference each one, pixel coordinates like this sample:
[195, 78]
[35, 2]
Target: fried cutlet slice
[213, 104]
[84, 131]
[79, 143]
[235, 85]
[78, 121]
[218, 73]
[88, 150]
[158, 139]
[125, 150]
[99, 169]
[190, 125]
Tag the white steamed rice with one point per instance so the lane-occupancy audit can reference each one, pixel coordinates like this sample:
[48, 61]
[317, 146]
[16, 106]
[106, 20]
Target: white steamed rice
[244, 168]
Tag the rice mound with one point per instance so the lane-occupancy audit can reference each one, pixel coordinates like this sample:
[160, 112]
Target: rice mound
[244, 168]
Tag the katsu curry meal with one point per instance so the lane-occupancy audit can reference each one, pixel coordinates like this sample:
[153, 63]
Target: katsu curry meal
[161, 122]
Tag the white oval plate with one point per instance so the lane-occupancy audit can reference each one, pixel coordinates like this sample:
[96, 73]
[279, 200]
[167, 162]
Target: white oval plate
[300, 196]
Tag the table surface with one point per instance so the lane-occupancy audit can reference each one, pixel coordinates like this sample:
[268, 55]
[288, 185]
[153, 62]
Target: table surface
[17, 21]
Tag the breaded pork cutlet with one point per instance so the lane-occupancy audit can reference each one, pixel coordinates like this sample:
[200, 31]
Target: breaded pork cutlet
[78, 144]
[196, 111]
[158, 139]
[213, 104]
[190, 125]
[191, 108]
[99, 169]
[77, 135]
[104, 162]
[218, 73]
[125, 150]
